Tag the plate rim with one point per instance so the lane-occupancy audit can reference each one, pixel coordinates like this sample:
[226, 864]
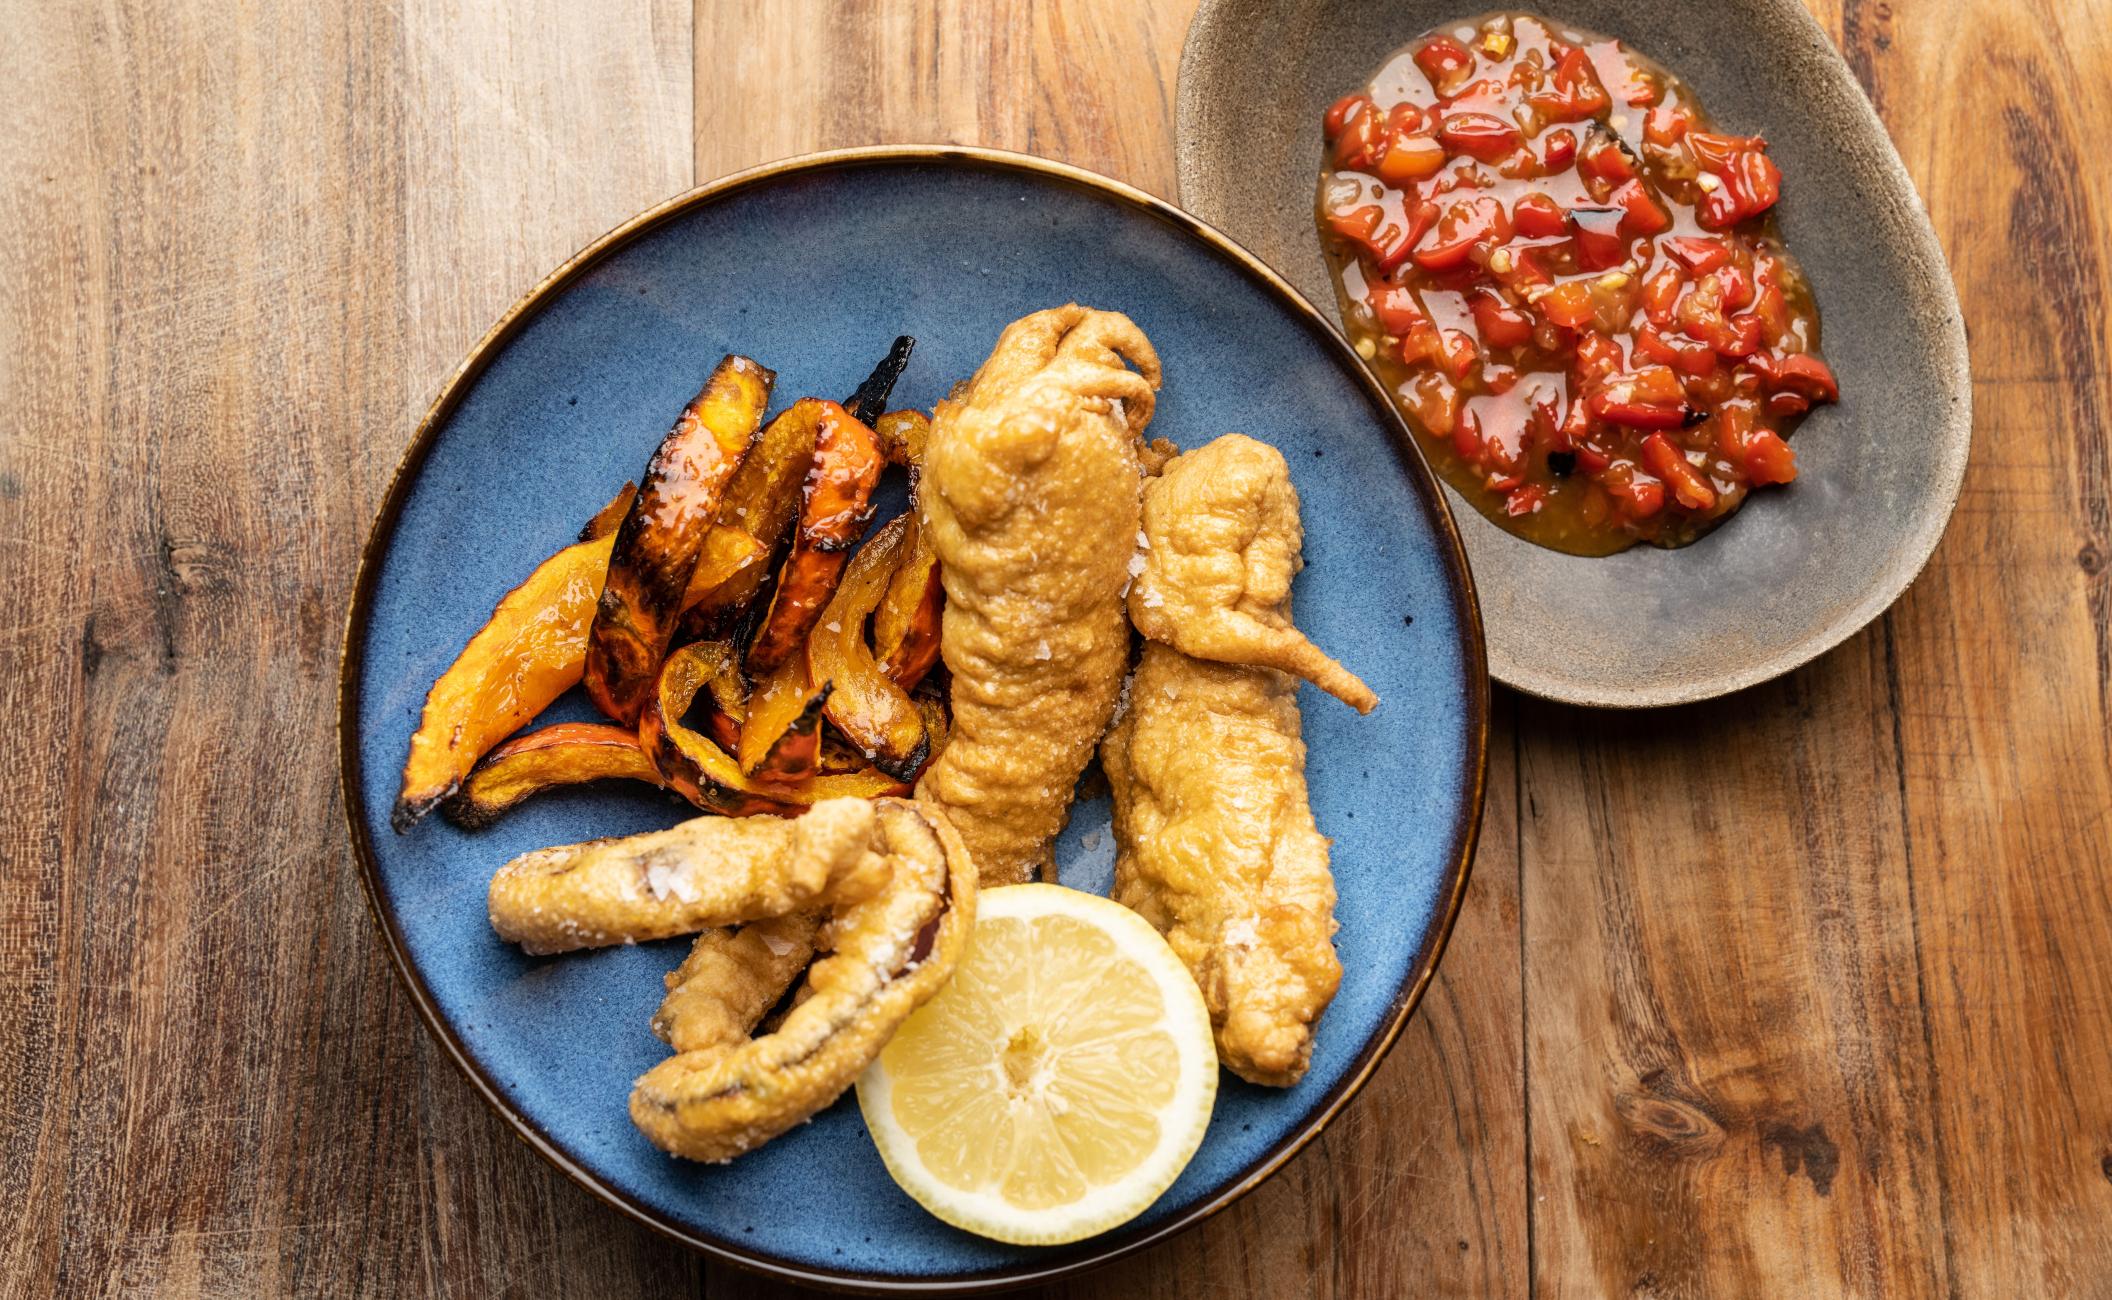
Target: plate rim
[1917, 548]
[1110, 1246]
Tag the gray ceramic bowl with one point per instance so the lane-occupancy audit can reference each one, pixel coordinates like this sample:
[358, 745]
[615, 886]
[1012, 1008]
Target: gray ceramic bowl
[1798, 570]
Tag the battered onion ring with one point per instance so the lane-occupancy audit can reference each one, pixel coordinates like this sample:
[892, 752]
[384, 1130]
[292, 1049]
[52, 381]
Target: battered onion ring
[891, 952]
[711, 871]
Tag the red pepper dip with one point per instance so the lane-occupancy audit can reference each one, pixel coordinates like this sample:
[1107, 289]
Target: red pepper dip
[1572, 283]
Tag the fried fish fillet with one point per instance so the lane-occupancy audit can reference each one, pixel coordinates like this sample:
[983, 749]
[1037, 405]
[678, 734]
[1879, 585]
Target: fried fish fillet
[1223, 543]
[707, 872]
[1214, 835]
[724, 1093]
[1031, 490]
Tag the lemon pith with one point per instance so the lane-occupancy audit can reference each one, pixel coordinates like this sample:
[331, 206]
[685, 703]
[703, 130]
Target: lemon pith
[1058, 1084]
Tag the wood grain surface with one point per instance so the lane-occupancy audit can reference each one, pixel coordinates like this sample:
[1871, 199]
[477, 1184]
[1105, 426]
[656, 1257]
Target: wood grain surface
[1807, 992]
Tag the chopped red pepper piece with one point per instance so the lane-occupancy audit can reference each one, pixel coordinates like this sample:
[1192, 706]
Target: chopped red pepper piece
[1573, 91]
[1560, 150]
[1463, 225]
[1807, 375]
[1445, 61]
[1768, 459]
[1691, 489]
[1339, 112]
[1597, 231]
[1569, 304]
[1482, 135]
[1501, 325]
[1536, 216]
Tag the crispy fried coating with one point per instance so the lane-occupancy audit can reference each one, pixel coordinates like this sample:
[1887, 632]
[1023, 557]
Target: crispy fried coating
[1031, 491]
[1215, 843]
[1222, 543]
[727, 1093]
[731, 979]
[709, 871]
[1215, 846]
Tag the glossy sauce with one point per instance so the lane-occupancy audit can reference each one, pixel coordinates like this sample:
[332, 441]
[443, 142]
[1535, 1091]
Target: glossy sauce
[1571, 281]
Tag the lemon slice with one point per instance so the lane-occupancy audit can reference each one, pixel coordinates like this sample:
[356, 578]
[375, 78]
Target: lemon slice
[1058, 1084]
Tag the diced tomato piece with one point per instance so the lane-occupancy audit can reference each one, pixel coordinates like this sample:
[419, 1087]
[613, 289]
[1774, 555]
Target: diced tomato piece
[1736, 286]
[1536, 216]
[1501, 325]
[1445, 61]
[1713, 150]
[1483, 135]
[1606, 159]
[1807, 376]
[1639, 495]
[1466, 436]
[1410, 158]
[1598, 235]
[1647, 398]
[1463, 225]
[1525, 500]
[1640, 214]
[1699, 256]
[1749, 186]
[1421, 343]
[1696, 359]
[1457, 354]
[1597, 356]
[1362, 135]
[1434, 402]
[1737, 337]
[1689, 486]
[1664, 125]
[1338, 114]
[1560, 150]
[1395, 306]
[1573, 92]
[1568, 305]
[1768, 459]
[1358, 223]
[1661, 294]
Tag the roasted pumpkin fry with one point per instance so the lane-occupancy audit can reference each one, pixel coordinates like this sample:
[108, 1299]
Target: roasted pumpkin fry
[836, 502]
[707, 775]
[760, 505]
[906, 625]
[871, 711]
[570, 753]
[782, 702]
[609, 516]
[529, 653]
[663, 533]
[902, 435]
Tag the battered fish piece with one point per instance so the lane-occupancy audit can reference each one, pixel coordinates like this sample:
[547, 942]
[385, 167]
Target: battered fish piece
[707, 872]
[1031, 490]
[1214, 836]
[724, 1093]
[731, 978]
[1215, 845]
[1222, 543]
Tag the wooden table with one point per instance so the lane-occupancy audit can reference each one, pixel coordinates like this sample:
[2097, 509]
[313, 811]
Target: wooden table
[1803, 993]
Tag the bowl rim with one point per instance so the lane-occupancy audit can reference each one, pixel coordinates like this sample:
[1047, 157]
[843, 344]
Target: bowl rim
[1906, 560]
[1108, 1247]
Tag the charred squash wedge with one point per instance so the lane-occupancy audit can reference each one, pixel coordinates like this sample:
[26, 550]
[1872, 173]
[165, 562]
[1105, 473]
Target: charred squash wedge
[530, 652]
[708, 777]
[663, 532]
[836, 502]
[570, 753]
[906, 625]
[760, 505]
[871, 711]
[780, 736]
[607, 518]
[870, 399]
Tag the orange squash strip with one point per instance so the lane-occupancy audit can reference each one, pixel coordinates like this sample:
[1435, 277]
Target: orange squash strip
[708, 777]
[570, 753]
[759, 508]
[781, 701]
[906, 625]
[902, 435]
[871, 711]
[531, 651]
[607, 518]
[835, 505]
[663, 533]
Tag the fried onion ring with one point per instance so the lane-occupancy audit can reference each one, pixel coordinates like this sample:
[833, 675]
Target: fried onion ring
[890, 953]
[710, 871]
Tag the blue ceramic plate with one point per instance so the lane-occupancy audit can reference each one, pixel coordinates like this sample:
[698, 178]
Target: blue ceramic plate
[813, 267]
